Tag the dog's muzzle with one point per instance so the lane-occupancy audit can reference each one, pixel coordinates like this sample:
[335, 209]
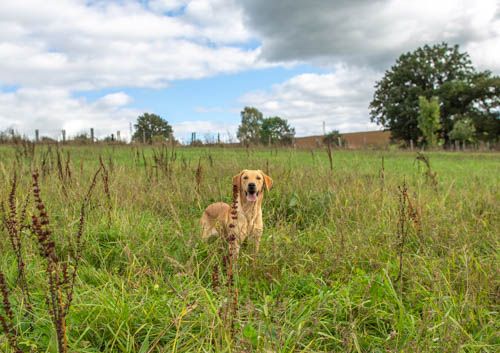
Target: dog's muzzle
[252, 192]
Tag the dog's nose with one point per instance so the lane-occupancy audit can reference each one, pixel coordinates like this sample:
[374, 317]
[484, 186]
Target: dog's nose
[252, 187]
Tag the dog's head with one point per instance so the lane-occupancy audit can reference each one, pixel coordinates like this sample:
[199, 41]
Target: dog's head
[251, 184]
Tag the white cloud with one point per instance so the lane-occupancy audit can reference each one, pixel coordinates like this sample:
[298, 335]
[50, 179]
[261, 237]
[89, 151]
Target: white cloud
[339, 98]
[52, 109]
[221, 20]
[80, 45]
[485, 53]
[115, 100]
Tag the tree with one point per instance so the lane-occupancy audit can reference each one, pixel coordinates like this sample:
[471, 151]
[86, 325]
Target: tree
[441, 71]
[428, 120]
[463, 130]
[249, 130]
[149, 126]
[82, 137]
[333, 138]
[275, 130]
[479, 100]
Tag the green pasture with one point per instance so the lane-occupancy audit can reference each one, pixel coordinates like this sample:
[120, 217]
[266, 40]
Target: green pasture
[327, 278]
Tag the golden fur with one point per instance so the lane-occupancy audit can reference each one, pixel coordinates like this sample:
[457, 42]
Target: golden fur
[217, 216]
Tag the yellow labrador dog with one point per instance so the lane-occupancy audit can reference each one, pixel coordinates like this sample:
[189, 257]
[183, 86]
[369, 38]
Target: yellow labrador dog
[248, 222]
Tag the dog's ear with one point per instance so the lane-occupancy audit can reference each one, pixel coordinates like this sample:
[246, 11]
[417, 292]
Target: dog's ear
[268, 182]
[237, 180]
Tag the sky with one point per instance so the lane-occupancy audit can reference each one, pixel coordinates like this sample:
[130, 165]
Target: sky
[76, 64]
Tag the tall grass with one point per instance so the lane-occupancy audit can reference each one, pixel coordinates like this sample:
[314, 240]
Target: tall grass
[325, 279]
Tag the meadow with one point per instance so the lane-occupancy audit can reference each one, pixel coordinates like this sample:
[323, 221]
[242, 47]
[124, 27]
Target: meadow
[377, 254]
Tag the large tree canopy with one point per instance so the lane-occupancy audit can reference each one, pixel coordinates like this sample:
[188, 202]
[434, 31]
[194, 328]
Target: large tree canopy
[149, 126]
[446, 73]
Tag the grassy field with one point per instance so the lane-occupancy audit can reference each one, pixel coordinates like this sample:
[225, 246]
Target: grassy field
[348, 261]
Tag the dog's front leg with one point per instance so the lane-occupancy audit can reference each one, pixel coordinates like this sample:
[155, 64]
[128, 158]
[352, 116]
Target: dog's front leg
[236, 242]
[257, 234]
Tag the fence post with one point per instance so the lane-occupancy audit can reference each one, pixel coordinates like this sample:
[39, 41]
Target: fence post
[64, 136]
[118, 135]
[37, 135]
[411, 145]
[92, 134]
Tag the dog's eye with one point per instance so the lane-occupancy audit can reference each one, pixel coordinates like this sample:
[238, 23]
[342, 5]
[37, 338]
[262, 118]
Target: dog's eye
[245, 177]
[258, 178]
